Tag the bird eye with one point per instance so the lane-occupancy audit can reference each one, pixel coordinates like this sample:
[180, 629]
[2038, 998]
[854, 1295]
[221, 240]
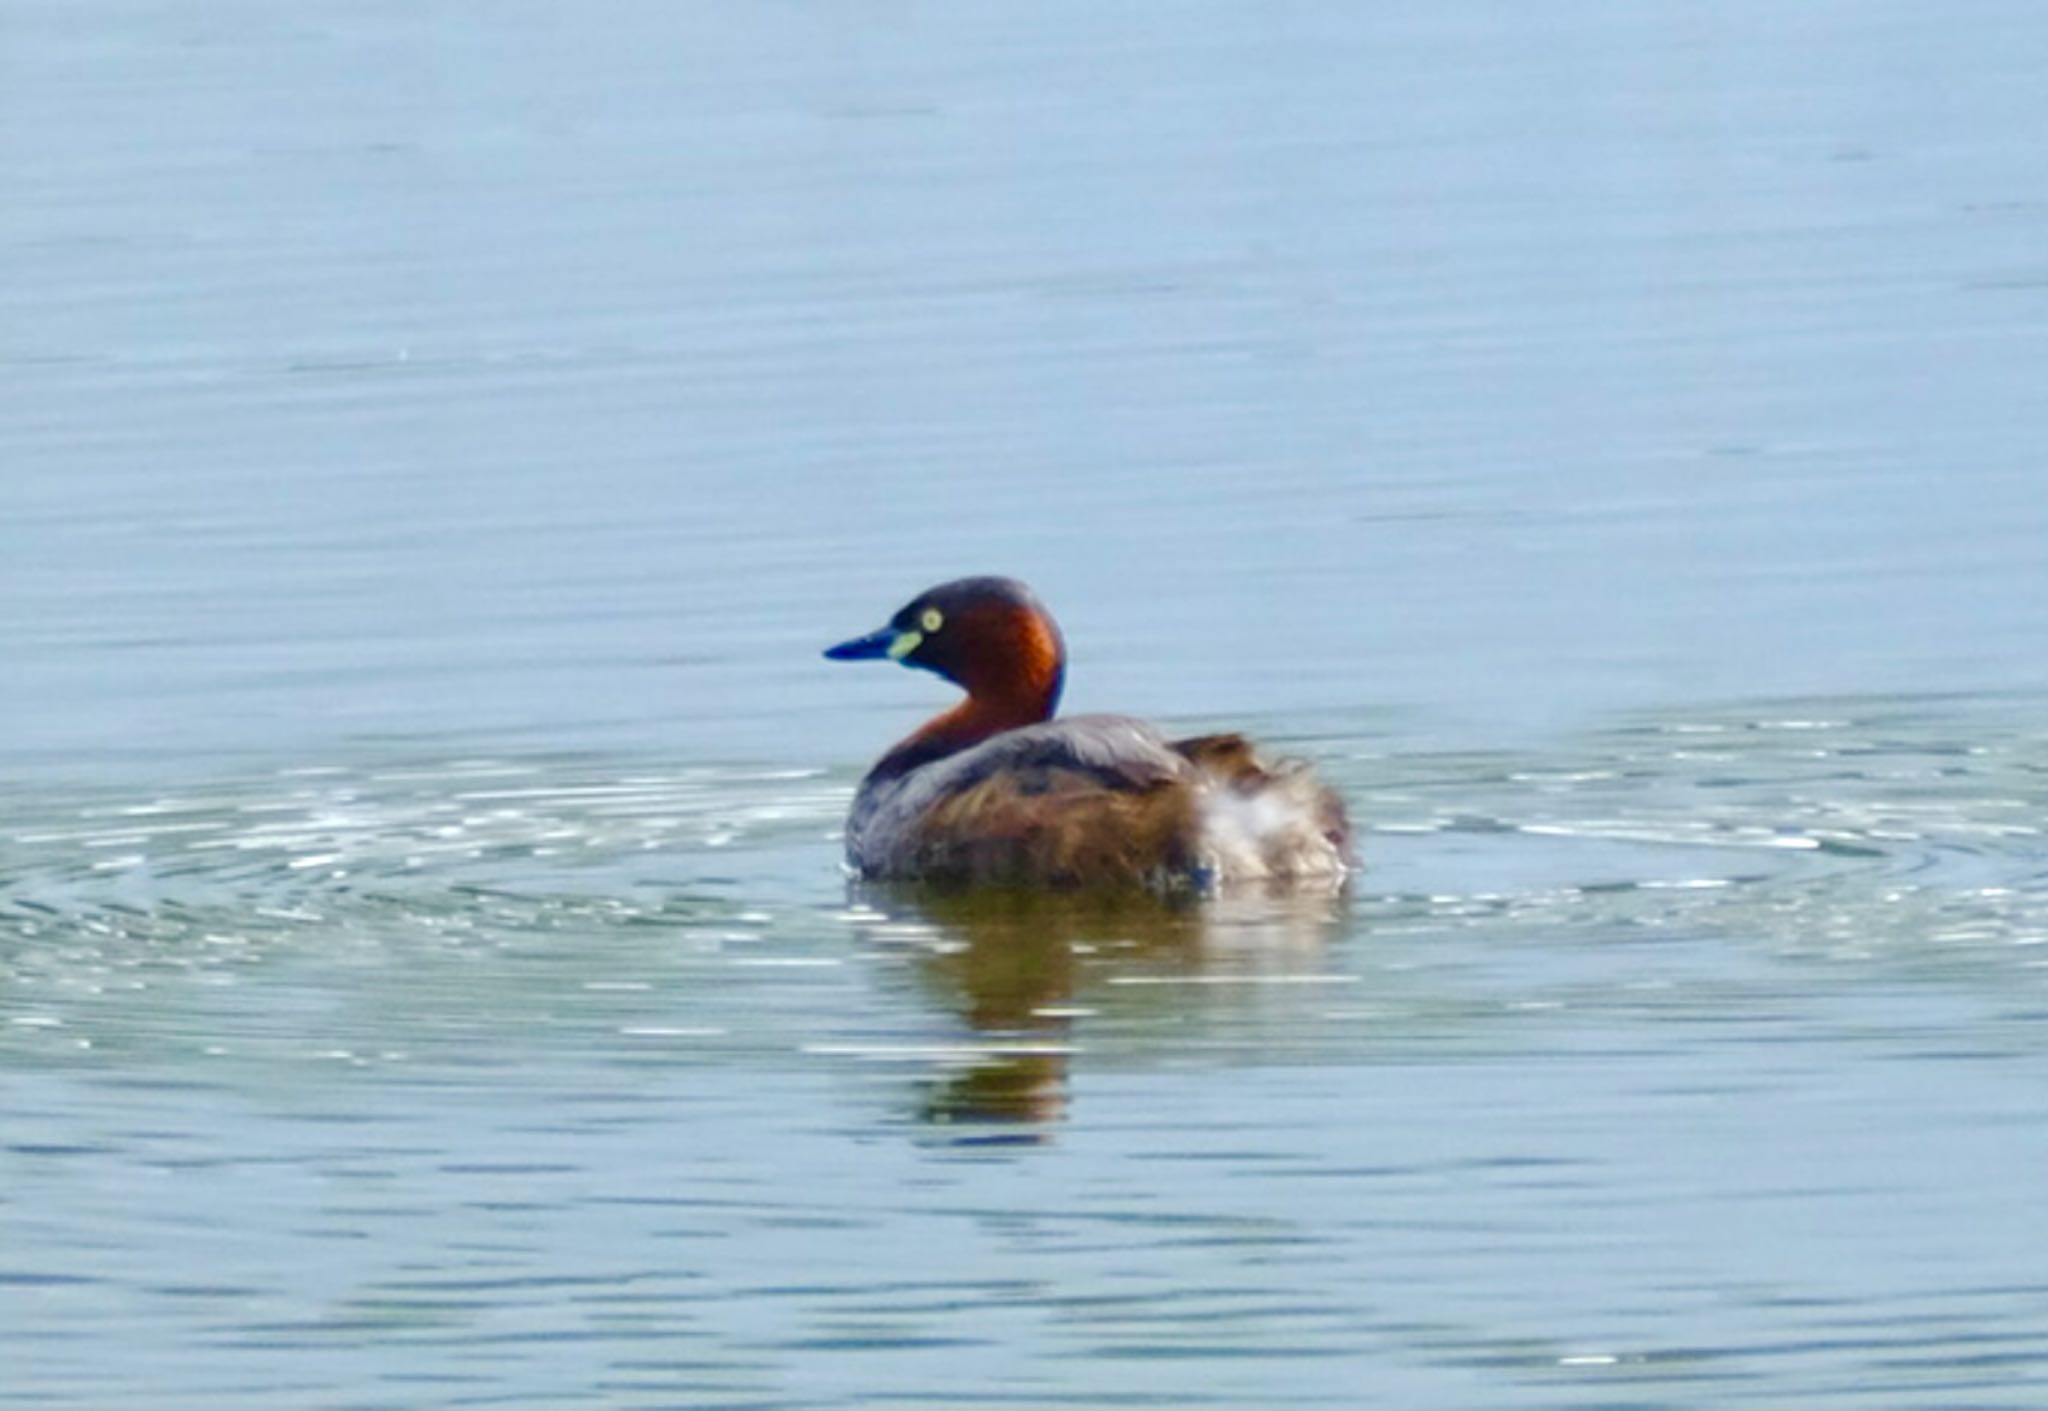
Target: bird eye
[932, 620]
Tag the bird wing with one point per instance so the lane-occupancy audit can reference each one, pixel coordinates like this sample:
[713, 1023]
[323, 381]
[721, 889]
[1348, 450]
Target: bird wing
[1080, 801]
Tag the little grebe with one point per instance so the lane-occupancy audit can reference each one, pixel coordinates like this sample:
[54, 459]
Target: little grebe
[995, 791]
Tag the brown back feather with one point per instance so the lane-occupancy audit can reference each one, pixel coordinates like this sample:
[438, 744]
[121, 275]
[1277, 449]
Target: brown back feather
[1229, 758]
[1057, 824]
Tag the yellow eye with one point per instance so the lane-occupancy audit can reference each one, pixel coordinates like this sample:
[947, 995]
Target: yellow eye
[932, 620]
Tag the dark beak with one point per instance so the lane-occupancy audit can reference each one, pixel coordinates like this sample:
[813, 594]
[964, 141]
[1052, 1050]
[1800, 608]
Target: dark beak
[873, 647]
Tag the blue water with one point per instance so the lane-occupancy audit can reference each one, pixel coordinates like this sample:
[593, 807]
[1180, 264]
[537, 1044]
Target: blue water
[435, 442]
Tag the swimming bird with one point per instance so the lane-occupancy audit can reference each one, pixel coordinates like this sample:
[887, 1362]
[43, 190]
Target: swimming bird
[997, 791]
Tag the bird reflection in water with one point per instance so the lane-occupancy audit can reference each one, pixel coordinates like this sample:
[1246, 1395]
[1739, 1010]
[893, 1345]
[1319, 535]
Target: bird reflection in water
[1028, 970]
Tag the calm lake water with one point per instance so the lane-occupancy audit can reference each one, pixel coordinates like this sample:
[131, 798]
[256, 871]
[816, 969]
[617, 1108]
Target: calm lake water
[436, 440]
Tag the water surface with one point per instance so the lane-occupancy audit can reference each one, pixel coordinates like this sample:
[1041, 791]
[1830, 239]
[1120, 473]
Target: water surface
[437, 442]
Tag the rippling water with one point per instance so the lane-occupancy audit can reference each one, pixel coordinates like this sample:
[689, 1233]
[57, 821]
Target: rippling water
[435, 443]
[1699, 1053]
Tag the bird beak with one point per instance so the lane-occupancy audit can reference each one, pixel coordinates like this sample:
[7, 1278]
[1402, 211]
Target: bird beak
[888, 643]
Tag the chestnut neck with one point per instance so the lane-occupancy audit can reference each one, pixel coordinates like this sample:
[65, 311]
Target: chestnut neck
[1016, 682]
